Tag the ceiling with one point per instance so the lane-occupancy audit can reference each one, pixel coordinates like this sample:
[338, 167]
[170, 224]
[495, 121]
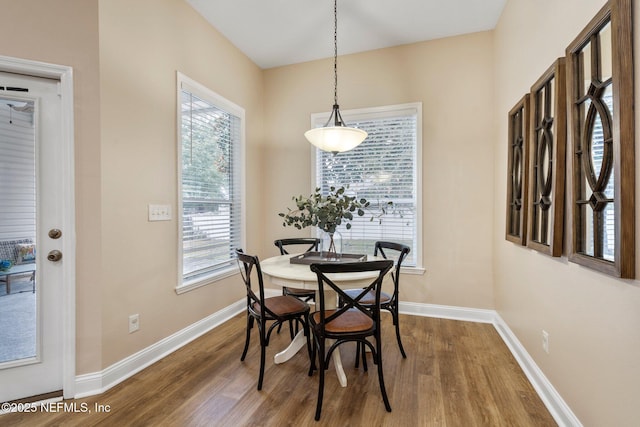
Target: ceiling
[282, 32]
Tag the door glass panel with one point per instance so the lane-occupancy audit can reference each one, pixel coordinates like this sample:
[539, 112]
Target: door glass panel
[18, 303]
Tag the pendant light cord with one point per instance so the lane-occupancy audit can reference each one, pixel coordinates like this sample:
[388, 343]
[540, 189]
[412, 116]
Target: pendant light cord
[336, 137]
[335, 52]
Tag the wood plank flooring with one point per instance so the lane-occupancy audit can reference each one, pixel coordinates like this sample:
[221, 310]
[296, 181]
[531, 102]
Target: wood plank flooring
[456, 374]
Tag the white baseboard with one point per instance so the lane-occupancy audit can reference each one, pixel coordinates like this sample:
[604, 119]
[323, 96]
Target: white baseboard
[99, 382]
[447, 312]
[558, 408]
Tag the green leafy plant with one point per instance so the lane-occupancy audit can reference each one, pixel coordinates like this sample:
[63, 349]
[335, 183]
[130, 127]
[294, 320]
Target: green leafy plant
[330, 211]
[325, 212]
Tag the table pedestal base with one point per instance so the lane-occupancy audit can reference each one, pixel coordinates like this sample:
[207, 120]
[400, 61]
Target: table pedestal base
[300, 341]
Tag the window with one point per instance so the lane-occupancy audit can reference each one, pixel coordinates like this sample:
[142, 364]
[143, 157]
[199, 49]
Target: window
[210, 141]
[383, 168]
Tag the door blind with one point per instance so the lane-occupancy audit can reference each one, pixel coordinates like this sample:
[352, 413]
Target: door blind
[17, 171]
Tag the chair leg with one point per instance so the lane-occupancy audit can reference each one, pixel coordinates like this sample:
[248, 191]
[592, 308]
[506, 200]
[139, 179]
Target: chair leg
[321, 359]
[361, 349]
[263, 351]
[394, 315]
[284, 292]
[291, 328]
[312, 359]
[307, 333]
[246, 341]
[383, 390]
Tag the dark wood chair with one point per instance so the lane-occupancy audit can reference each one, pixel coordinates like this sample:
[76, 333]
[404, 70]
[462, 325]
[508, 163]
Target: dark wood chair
[353, 322]
[387, 302]
[262, 310]
[304, 244]
[308, 244]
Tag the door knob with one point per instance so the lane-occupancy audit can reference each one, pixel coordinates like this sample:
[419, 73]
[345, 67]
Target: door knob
[55, 255]
[54, 233]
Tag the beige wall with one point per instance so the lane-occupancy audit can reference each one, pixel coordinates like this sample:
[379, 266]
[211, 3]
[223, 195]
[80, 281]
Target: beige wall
[593, 320]
[65, 32]
[453, 78]
[142, 44]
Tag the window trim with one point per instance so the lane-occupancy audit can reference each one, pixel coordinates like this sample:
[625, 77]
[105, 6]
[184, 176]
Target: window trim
[184, 82]
[319, 119]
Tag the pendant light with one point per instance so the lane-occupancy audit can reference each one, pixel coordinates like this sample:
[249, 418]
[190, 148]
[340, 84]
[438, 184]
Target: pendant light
[338, 137]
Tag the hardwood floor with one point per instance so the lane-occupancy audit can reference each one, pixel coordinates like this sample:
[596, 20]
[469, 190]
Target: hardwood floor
[456, 374]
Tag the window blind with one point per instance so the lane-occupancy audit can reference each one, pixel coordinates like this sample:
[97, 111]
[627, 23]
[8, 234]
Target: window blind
[381, 169]
[17, 173]
[210, 184]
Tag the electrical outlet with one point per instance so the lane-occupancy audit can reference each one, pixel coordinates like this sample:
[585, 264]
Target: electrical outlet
[545, 341]
[134, 323]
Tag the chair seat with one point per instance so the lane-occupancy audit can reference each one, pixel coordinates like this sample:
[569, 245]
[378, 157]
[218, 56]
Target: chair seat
[300, 292]
[369, 298]
[353, 320]
[283, 305]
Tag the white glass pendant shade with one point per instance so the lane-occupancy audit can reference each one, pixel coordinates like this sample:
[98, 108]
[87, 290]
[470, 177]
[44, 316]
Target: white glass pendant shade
[335, 139]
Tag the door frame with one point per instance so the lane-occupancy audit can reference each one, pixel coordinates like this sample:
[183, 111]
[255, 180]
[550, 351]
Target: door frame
[64, 74]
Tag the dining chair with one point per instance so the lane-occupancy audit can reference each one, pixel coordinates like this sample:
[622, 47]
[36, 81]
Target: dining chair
[309, 244]
[305, 244]
[261, 310]
[353, 322]
[388, 302]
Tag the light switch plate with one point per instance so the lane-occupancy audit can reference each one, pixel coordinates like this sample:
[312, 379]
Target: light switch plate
[159, 212]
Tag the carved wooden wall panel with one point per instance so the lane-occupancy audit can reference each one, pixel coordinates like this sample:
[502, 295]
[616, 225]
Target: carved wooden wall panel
[517, 189]
[600, 98]
[547, 161]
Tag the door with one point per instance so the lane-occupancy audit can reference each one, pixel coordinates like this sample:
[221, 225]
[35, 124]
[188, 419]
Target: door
[31, 208]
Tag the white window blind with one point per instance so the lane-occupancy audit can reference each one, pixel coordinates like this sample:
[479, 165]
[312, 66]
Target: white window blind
[383, 168]
[211, 186]
[17, 171]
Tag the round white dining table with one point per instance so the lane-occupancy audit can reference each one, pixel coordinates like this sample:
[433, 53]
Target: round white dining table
[281, 272]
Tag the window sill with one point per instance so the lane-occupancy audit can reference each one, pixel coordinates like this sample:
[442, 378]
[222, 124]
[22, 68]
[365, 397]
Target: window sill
[204, 281]
[418, 271]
